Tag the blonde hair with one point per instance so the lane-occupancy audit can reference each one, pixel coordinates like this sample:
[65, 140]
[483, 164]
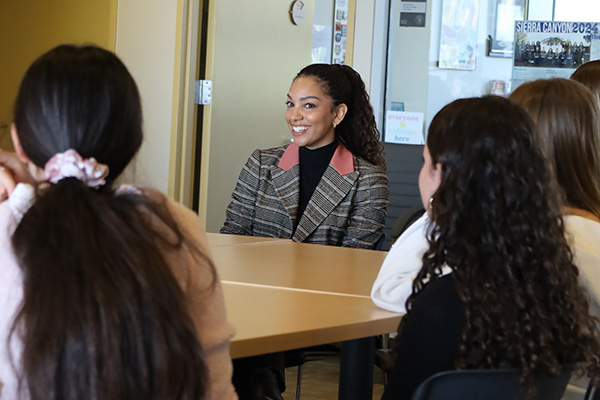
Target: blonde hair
[567, 115]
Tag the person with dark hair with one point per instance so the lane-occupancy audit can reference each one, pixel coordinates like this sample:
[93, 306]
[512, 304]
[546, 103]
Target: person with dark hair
[569, 60]
[498, 262]
[550, 58]
[329, 186]
[107, 292]
[589, 75]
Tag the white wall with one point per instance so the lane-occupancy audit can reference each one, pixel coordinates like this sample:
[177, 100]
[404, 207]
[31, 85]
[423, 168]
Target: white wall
[407, 78]
[145, 41]
[363, 39]
[257, 53]
[541, 10]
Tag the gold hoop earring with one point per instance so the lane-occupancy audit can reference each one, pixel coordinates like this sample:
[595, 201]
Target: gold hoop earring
[431, 202]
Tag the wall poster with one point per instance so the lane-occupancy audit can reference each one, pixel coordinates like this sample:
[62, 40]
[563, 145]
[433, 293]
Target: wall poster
[340, 21]
[552, 49]
[404, 127]
[458, 38]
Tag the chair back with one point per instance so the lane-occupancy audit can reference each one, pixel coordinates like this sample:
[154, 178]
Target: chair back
[593, 393]
[405, 220]
[498, 384]
[379, 243]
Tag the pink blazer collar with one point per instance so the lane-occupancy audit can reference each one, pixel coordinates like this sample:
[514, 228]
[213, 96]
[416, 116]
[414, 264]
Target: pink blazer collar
[342, 160]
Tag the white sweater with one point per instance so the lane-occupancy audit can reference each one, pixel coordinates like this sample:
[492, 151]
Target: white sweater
[394, 282]
[400, 267]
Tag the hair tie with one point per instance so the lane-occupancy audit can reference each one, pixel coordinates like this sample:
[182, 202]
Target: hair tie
[71, 165]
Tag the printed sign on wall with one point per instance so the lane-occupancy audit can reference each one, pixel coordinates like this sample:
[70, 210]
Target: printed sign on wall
[404, 127]
[551, 49]
[413, 12]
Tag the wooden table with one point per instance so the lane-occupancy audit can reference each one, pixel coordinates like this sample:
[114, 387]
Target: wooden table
[283, 263]
[291, 319]
[217, 239]
[282, 295]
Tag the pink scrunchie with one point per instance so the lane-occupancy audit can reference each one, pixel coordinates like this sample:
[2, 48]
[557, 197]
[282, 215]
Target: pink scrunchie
[71, 165]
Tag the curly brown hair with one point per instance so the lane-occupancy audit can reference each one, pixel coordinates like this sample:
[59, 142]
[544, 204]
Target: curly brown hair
[497, 224]
[358, 130]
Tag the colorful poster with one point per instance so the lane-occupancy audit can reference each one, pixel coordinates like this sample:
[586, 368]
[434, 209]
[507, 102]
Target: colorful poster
[404, 127]
[552, 49]
[340, 23]
[458, 41]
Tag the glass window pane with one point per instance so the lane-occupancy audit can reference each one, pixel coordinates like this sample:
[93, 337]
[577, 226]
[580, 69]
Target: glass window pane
[577, 10]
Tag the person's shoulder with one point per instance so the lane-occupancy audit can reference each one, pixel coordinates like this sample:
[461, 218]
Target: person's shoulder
[268, 156]
[439, 297]
[275, 152]
[577, 224]
[369, 172]
[8, 223]
[584, 232]
[180, 213]
[365, 166]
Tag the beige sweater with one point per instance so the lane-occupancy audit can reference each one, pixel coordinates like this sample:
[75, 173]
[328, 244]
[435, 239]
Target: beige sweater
[206, 305]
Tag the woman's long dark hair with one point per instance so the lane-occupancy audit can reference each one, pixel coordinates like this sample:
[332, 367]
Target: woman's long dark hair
[497, 224]
[102, 316]
[358, 130]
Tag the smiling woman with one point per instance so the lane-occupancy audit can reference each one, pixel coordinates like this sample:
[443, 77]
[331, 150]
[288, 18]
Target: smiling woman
[311, 115]
[329, 186]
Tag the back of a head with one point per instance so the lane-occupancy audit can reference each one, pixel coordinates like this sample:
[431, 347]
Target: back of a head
[497, 225]
[102, 315]
[80, 98]
[358, 130]
[568, 130]
[589, 75]
[492, 171]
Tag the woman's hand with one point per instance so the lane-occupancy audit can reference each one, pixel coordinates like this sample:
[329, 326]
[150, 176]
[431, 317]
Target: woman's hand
[12, 171]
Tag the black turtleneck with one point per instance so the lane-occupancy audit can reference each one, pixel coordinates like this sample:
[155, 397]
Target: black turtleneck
[313, 164]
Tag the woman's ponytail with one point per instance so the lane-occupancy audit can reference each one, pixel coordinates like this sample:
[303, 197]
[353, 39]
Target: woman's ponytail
[102, 315]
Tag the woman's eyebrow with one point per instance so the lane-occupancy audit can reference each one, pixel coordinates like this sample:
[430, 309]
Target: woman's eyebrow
[309, 97]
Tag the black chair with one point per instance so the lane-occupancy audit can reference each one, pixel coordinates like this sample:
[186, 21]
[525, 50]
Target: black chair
[379, 243]
[405, 220]
[297, 358]
[498, 384]
[592, 393]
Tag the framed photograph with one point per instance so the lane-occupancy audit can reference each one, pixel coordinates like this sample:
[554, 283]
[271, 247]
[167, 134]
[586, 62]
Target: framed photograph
[502, 17]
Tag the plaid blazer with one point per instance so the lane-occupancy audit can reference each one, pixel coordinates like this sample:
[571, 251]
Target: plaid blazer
[347, 207]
